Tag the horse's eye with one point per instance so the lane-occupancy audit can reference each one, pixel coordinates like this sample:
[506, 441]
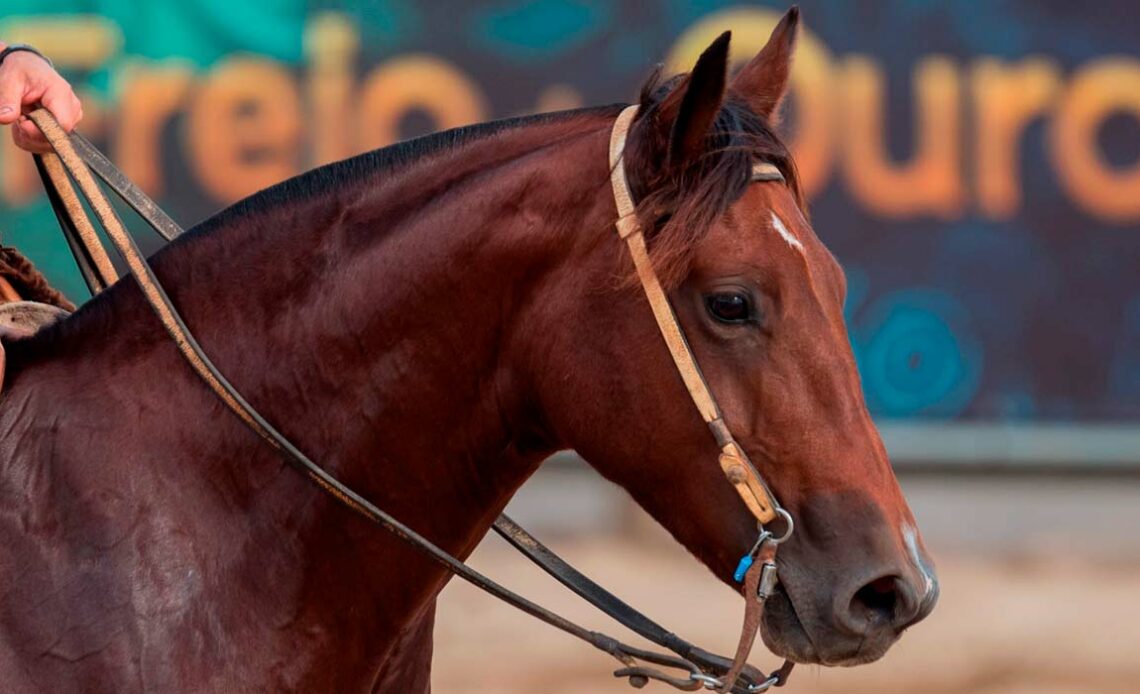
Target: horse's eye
[729, 307]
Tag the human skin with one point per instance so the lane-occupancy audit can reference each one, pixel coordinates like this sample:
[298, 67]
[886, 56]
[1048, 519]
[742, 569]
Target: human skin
[27, 82]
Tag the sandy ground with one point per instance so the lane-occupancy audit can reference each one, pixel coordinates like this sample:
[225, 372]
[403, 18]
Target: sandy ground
[1031, 624]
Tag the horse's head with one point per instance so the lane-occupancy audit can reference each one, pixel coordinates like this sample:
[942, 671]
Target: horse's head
[760, 300]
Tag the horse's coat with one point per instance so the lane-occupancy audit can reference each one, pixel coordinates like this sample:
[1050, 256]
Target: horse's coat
[430, 322]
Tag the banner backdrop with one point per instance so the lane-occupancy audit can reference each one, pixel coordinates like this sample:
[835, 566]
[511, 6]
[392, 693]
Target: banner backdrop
[974, 166]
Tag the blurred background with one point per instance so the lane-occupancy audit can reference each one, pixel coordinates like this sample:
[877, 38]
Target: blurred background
[974, 166]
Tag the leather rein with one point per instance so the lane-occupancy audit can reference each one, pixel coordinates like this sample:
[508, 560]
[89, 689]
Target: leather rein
[75, 159]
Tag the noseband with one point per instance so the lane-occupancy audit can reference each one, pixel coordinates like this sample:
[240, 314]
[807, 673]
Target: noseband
[757, 569]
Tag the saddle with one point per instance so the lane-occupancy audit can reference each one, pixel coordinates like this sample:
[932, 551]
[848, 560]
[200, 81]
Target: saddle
[27, 301]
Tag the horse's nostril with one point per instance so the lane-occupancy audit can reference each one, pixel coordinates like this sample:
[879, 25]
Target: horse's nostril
[878, 601]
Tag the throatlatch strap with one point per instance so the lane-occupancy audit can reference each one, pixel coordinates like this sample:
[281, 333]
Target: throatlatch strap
[76, 155]
[737, 468]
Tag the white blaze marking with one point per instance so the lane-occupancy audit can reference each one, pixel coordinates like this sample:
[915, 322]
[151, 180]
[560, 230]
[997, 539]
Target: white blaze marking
[785, 234]
[910, 537]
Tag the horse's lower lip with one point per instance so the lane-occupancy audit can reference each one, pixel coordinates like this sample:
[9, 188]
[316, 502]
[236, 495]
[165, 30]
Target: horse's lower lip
[788, 639]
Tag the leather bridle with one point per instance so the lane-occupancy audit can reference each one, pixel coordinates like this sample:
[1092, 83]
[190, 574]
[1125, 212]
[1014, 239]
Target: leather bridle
[759, 577]
[76, 157]
[738, 469]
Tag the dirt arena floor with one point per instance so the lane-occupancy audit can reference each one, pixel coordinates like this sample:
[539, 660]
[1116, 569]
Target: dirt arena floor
[1031, 624]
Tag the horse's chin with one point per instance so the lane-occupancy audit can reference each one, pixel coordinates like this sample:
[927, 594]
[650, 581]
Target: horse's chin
[787, 637]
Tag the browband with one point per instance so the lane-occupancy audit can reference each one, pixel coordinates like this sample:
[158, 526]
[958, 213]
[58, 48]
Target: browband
[766, 171]
[737, 468]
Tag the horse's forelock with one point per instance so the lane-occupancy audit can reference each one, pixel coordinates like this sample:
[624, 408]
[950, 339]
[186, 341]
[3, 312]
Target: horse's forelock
[679, 207]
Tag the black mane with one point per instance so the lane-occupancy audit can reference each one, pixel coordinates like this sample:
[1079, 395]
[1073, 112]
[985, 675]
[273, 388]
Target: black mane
[384, 160]
[677, 209]
[307, 186]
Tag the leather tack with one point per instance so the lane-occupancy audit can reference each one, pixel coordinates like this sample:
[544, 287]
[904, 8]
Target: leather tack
[741, 473]
[76, 156]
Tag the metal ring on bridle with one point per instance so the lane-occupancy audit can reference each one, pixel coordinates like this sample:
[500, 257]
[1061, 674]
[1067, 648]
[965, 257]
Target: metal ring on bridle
[791, 526]
[711, 682]
[763, 537]
[765, 685]
[708, 681]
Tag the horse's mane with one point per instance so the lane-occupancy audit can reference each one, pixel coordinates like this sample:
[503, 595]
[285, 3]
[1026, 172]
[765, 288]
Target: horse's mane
[386, 160]
[344, 175]
[677, 208]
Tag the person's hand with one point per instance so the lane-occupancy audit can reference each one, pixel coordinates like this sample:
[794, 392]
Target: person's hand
[26, 82]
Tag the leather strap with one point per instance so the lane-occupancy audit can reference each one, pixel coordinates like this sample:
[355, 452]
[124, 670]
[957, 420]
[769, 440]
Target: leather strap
[75, 160]
[763, 570]
[734, 462]
[131, 194]
[766, 171]
[81, 236]
[614, 606]
[68, 226]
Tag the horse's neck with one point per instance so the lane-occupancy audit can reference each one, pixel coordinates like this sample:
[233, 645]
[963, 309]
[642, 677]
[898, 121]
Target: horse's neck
[377, 330]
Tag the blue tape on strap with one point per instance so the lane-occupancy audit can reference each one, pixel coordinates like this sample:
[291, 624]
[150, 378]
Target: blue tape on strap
[742, 568]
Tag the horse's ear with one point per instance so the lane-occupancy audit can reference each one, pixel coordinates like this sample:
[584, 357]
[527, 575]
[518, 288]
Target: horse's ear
[691, 108]
[763, 82]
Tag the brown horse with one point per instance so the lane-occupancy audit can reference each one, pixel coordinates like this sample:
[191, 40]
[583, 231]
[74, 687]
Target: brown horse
[431, 321]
